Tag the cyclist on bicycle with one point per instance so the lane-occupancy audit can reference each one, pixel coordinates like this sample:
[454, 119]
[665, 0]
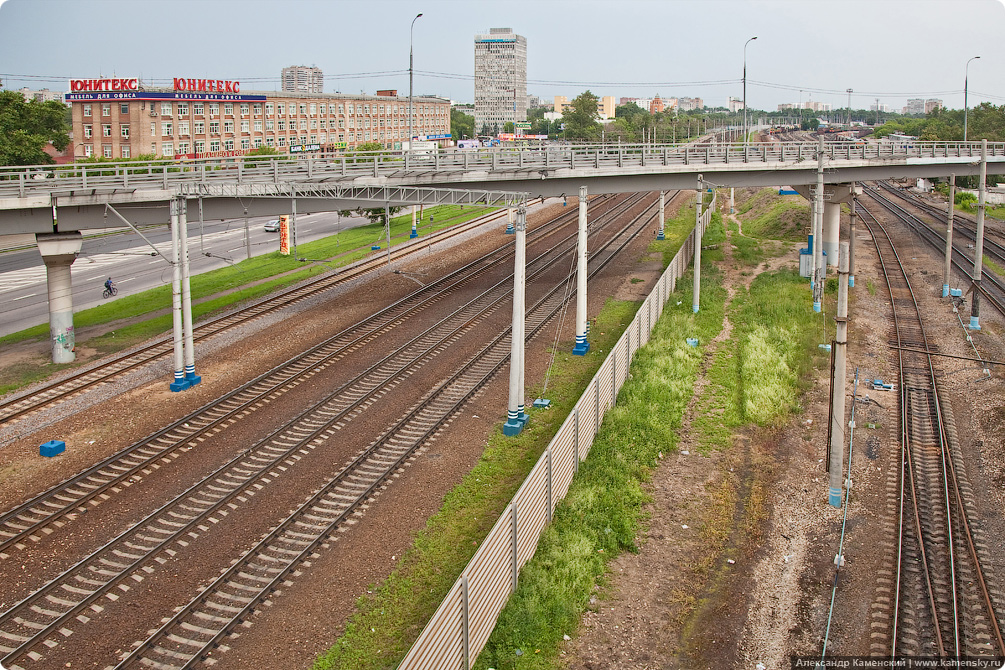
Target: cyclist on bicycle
[108, 284]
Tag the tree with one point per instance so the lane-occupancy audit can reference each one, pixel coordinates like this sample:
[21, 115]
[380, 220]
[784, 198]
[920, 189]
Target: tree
[462, 126]
[375, 214]
[580, 118]
[508, 127]
[26, 128]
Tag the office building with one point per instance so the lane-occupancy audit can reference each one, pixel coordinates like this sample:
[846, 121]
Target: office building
[199, 118]
[500, 80]
[303, 79]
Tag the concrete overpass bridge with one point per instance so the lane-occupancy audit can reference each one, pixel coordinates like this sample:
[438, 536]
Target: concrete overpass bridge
[57, 202]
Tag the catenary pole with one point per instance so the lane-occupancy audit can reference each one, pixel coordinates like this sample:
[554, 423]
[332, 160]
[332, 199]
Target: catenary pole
[179, 383]
[840, 371]
[582, 346]
[186, 296]
[975, 301]
[947, 267]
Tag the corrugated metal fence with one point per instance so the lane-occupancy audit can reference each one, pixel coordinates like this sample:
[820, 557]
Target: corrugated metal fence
[461, 626]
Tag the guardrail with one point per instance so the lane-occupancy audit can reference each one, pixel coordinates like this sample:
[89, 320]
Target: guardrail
[461, 626]
[170, 175]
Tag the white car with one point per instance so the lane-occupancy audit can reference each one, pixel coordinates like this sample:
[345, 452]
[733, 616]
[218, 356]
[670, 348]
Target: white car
[272, 226]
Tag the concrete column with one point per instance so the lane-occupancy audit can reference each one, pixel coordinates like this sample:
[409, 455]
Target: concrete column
[661, 234]
[731, 201]
[179, 383]
[582, 346]
[819, 269]
[851, 237]
[59, 250]
[509, 221]
[975, 301]
[415, 231]
[186, 297]
[840, 371]
[513, 424]
[947, 268]
[695, 302]
[832, 232]
[521, 222]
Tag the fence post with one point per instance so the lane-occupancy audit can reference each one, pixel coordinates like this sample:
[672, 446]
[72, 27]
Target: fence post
[549, 485]
[516, 569]
[464, 623]
[596, 404]
[575, 441]
[614, 376]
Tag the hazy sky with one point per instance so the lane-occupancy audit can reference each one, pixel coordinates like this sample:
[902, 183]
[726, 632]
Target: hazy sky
[883, 49]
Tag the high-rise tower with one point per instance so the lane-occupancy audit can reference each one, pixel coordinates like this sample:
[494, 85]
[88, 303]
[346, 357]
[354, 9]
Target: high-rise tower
[303, 79]
[500, 79]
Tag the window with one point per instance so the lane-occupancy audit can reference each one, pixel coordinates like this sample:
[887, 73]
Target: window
[314, 124]
[268, 142]
[258, 125]
[167, 149]
[125, 151]
[367, 136]
[197, 108]
[367, 123]
[106, 150]
[200, 127]
[228, 126]
[382, 111]
[324, 124]
[341, 137]
[214, 145]
[244, 109]
[314, 139]
[183, 127]
[214, 109]
[106, 130]
[282, 124]
[282, 141]
[87, 131]
[124, 129]
[303, 124]
[200, 146]
[258, 109]
[106, 110]
[280, 108]
[166, 129]
[87, 110]
[123, 108]
[165, 109]
[269, 123]
[314, 109]
[341, 124]
[341, 109]
[268, 108]
[245, 144]
[228, 145]
[244, 127]
[153, 129]
[183, 111]
[214, 127]
[303, 108]
[324, 108]
[183, 147]
[257, 142]
[352, 123]
[228, 108]
[322, 138]
[88, 150]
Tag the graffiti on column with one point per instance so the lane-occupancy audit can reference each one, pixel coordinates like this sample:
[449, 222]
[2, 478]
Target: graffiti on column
[65, 338]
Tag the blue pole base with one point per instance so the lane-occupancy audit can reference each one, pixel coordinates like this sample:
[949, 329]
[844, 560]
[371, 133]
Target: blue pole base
[179, 383]
[660, 236]
[412, 235]
[582, 346]
[510, 230]
[834, 497]
[816, 307]
[975, 323]
[512, 427]
[522, 416]
[851, 281]
[694, 308]
[190, 376]
[945, 290]
[541, 403]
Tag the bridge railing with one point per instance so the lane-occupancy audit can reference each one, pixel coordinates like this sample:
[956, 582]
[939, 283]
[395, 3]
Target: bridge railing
[168, 174]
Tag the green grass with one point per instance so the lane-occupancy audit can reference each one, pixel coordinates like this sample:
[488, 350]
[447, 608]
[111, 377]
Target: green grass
[388, 620]
[991, 266]
[786, 220]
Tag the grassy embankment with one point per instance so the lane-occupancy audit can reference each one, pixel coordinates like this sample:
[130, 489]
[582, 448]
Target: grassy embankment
[147, 314]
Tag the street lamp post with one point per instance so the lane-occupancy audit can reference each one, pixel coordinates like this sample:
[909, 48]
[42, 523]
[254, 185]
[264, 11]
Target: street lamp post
[411, 31]
[966, 78]
[745, 89]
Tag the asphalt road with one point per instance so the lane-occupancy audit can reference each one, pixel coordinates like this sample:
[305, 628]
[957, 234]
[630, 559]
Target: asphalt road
[123, 255]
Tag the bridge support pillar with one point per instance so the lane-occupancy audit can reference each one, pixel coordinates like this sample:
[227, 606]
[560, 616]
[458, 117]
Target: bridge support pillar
[831, 232]
[515, 416]
[975, 301]
[582, 346]
[59, 250]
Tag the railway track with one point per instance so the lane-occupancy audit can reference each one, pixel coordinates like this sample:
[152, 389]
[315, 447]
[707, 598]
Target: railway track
[112, 367]
[942, 603]
[992, 285]
[33, 623]
[49, 510]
